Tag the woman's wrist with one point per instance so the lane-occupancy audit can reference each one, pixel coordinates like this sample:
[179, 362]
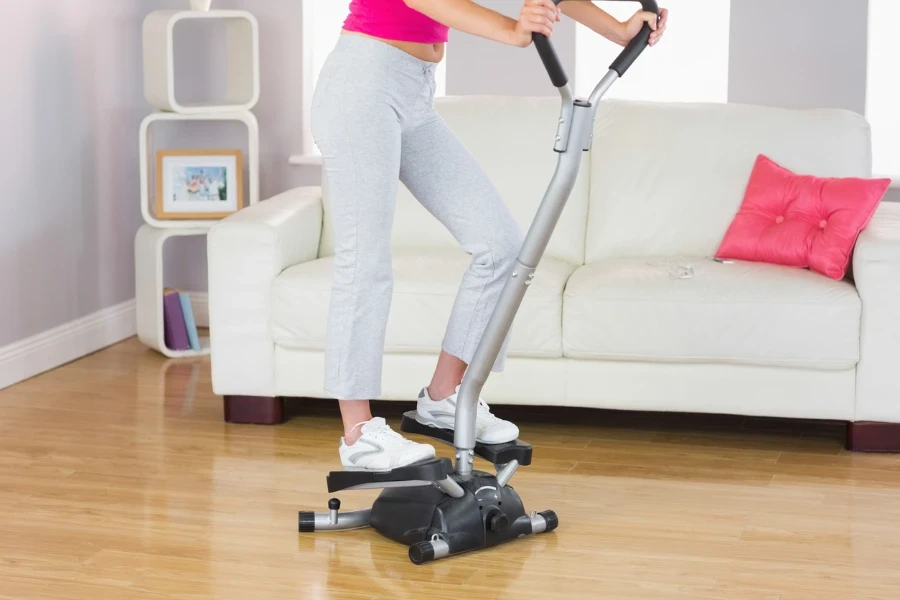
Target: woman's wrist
[619, 34]
[509, 33]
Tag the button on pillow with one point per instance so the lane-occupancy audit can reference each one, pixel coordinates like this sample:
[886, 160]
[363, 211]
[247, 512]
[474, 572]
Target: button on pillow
[801, 220]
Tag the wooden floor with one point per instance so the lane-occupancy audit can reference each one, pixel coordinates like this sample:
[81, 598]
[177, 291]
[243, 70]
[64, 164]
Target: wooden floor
[119, 480]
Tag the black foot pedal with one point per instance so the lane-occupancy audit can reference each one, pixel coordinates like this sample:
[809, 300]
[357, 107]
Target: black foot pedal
[420, 473]
[497, 454]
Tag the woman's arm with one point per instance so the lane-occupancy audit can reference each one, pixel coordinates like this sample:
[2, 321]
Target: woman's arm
[465, 15]
[598, 20]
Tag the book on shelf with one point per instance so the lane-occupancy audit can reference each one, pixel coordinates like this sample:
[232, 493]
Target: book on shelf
[179, 324]
[189, 322]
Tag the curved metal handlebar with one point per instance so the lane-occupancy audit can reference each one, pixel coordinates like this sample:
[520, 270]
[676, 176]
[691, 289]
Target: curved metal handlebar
[630, 54]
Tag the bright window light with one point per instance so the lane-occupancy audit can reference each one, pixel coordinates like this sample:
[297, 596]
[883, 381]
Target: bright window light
[689, 65]
[883, 89]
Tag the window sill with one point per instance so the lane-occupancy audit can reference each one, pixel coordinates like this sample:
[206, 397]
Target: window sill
[895, 180]
[306, 160]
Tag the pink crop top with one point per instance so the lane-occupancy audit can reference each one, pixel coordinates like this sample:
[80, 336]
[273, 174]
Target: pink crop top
[393, 20]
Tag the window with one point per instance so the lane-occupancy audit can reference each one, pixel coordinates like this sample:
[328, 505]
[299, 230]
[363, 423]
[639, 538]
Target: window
[693, 68]
[322, 21]
[883, 89]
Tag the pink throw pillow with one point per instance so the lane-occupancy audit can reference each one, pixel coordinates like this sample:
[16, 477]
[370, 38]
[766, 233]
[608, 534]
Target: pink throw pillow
[801, 220]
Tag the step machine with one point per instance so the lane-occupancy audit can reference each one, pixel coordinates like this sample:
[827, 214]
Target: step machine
[439, 508]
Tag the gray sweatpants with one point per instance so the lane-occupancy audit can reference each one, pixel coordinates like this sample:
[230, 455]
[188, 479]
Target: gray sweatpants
[374, 121]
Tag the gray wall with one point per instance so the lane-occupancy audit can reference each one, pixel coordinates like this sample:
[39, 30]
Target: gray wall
[795, 54]
[479, 66]
[71, 105]
[69, 151]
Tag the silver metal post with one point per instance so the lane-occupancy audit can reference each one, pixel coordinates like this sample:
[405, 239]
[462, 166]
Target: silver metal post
[506, 472]
[610, 78]
[538, 523]
[566, 114]
[517, 283]
[450, 487]
[352, 519]
[441, 548]
[602, 87]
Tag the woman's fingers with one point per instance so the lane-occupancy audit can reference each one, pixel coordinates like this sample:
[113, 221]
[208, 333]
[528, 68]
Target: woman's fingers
[541, 25]
[543, 8]
[539, 16]
[661, 28]
[548, 4]
[649, 17]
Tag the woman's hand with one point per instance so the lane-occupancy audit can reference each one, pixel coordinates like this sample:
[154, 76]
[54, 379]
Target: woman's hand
[632, 26]
[537, 16]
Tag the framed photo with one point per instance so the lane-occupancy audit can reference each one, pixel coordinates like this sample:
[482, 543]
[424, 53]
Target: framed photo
[199, 184]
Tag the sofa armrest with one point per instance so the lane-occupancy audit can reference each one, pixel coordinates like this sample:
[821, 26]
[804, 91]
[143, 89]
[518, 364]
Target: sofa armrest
[246, 252]
[876, 270]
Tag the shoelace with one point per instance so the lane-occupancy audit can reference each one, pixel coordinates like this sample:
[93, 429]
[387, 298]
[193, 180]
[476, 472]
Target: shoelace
[387, 434]
[485, 411]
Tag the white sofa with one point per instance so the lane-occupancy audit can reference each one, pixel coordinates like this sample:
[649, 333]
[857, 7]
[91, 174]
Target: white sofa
[605, 324]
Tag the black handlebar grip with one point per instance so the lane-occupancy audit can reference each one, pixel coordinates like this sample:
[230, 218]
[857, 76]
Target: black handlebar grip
[638, 44]
[550, 58]
[631, 52]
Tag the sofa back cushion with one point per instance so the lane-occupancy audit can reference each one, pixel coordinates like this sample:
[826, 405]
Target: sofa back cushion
[512, 139]
[667, 179]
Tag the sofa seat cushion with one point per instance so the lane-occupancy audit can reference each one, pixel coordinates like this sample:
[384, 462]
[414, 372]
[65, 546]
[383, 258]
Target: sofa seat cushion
[742, 313]
[425, 287]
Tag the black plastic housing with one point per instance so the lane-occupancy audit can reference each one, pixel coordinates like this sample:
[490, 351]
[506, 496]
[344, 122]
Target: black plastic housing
[413, 515]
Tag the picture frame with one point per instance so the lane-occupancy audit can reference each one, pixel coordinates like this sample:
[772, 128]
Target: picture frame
[199, 184]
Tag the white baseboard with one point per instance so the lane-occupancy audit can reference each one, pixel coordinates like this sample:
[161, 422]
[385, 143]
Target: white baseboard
[32, 356]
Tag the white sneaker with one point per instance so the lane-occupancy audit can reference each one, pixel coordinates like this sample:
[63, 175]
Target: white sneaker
[442, 414]
[380, 448]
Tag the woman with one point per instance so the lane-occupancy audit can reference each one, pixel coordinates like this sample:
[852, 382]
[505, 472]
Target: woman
[374, 122]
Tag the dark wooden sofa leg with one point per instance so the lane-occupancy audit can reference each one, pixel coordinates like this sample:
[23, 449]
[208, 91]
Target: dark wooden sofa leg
[871, 436]
[255, 410]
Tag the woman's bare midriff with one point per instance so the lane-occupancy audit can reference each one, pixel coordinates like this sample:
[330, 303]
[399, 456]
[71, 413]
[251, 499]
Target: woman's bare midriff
[428, 52]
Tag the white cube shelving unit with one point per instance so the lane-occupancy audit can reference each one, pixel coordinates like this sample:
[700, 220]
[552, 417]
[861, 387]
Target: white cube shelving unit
[148, 260]
[242, 57]
[148, 161]
[242, 62]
